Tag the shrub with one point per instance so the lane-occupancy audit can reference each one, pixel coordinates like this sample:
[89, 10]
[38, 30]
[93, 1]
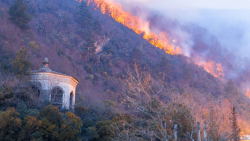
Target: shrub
[95, 80]
[81, 111]
[105, 74]
[10, 124]
[89, 44]
[110, 49]
[84, 17]
[18, 14]
[21, 64]
[97, 26]
[88, 68]
[70, 128]
[91, 77]
[33, 45]
[52, 114]
[31, 126]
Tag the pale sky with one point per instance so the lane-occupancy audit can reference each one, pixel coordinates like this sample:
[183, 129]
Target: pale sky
[229, 20]
[190, 4]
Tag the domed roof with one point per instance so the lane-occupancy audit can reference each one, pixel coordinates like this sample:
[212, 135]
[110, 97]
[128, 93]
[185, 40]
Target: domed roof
[46, 61]
[45, 68]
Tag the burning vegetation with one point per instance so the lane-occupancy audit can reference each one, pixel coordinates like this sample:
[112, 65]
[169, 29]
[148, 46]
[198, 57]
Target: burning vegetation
[113, 101]
[248, 93]
[141, 27]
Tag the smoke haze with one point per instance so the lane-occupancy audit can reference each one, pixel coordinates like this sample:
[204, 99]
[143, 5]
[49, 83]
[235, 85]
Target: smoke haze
[224, 27]
[227, 20]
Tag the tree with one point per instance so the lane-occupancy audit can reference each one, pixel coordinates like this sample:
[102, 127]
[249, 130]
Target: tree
[70, 128]
[235, 128]
[89, 45]
[21, 64]
[101, 131]
[52, 114]
[142, 96]
[186, 109]
[30, 128]
[22, 109]
[213, 122]
[231, 88]
[120, 128]
[81, 111]
[18, 14]
[97, 27]
[51, 120]
[84, 16]
[136, 55]
[10, 124]
[56, 126]
[165, 66]
[181, 115]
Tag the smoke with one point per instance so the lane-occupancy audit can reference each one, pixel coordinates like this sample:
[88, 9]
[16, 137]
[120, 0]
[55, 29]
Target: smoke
[231, 27]
[214, 30]
[192, 4]
[227, 20]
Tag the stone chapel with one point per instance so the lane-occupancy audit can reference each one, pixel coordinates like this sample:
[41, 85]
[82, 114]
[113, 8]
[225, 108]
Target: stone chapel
[57, 88]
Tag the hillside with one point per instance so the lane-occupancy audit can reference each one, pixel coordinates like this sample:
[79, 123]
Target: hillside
[99, 52]
[61, 38]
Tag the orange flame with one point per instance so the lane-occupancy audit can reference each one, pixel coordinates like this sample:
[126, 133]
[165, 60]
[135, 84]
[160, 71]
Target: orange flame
[139, 26]
[136, 24]
[211, 67]
[248, 93]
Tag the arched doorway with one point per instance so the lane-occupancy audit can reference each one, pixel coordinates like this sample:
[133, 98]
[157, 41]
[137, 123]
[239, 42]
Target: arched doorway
[36, 91]
[71, 101]
[57, 97]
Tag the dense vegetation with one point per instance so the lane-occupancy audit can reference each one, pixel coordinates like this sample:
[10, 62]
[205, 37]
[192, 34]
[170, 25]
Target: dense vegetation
[102, 54]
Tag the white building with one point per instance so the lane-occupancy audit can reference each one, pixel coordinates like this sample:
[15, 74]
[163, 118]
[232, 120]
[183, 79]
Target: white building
[54, 87]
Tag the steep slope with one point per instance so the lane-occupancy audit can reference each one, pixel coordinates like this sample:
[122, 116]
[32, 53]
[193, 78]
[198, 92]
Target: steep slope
[57, 32]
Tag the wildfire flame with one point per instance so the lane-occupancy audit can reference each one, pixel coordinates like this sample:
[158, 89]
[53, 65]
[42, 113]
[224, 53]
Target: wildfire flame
[211, 67]
[141, 27]
[248, 93]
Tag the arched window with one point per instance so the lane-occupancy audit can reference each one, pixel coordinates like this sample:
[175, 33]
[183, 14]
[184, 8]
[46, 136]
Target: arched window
[57, 97]
[71, 101]
[35, 89]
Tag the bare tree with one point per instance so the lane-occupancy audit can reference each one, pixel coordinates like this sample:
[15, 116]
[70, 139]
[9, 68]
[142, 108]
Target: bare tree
[142, 96]
[187, 106]
[123, 130]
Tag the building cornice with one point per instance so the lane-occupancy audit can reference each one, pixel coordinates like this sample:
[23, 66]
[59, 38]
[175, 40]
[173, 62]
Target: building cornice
[53, 76]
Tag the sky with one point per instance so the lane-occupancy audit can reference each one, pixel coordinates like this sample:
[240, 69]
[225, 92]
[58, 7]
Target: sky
[228, 20]
[191, 4]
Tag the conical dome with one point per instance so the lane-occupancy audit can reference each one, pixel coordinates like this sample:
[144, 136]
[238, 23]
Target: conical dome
[46, 61]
